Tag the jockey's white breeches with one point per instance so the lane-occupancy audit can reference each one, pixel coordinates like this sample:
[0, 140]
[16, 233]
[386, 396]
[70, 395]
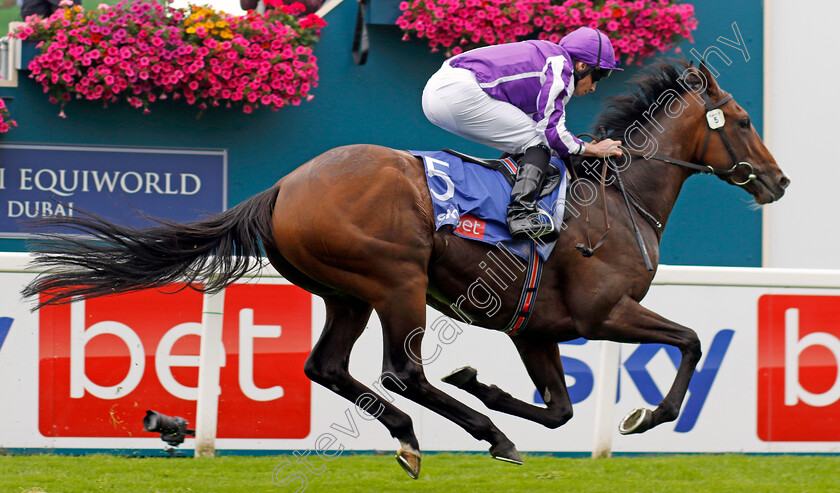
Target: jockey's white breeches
[455, 102]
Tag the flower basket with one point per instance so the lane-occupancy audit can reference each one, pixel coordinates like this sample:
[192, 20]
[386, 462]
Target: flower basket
[637, 29]
[140, 51]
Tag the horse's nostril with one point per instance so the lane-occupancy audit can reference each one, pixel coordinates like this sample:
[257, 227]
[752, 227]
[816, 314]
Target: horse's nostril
[784, 181]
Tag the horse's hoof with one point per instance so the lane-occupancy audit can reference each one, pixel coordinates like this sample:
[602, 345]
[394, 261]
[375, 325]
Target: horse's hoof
[637, 421]
[409, 458]
[506, 453]
[460, 377]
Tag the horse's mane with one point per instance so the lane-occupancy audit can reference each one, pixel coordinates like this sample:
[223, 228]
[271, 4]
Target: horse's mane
[623, 111]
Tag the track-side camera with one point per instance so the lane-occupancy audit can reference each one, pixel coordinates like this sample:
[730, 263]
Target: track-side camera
[172, 430]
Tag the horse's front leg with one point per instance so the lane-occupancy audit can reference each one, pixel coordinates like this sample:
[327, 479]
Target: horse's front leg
[542, 361]
[628, 321]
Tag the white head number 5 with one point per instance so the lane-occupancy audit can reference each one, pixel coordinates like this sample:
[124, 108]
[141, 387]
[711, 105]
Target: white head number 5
[715, 118]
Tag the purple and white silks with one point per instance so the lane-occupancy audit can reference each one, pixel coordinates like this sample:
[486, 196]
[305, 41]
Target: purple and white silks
[535, 76]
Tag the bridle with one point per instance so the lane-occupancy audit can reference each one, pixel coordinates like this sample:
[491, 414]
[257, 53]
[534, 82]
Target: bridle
[715, 121]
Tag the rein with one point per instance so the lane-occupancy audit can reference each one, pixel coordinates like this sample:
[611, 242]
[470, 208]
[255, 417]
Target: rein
[716, 121]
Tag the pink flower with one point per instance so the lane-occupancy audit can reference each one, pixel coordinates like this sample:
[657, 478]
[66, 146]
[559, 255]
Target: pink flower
[467, 24]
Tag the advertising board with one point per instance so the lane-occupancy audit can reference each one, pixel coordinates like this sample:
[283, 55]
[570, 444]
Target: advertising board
[116, 182]
[81, 376]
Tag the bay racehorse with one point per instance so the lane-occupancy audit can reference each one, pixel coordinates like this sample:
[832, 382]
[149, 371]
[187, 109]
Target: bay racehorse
[355, 226]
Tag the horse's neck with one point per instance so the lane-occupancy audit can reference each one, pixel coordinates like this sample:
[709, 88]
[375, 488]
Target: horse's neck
[656, 185]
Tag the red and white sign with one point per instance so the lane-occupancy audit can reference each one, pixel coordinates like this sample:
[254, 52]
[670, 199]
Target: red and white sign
[798, 361]
[103, 362]
[471, 227]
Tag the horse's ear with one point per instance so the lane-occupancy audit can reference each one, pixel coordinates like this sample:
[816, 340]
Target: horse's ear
[694, 80]
[711, 84]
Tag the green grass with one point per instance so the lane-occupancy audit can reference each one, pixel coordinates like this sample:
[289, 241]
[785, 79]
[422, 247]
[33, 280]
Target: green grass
[440, 472]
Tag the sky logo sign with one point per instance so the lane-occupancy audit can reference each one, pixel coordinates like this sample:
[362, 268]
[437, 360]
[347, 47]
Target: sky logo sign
[5, 325]
[636, 367]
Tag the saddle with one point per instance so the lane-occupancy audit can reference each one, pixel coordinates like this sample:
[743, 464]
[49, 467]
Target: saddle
[506, 165]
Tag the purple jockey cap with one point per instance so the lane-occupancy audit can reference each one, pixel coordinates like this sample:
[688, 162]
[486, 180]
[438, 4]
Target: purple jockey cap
[590, 46]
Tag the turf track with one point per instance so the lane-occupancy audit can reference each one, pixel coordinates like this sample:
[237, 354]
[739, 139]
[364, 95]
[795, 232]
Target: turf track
[440, 472]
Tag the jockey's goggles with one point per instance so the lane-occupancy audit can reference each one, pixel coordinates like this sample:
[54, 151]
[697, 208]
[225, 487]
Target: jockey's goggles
[600, 73]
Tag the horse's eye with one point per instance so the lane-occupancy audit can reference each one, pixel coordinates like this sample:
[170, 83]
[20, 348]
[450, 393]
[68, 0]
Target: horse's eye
[745, 123]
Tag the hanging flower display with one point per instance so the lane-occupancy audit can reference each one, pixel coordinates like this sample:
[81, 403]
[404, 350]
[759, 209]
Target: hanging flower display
[638, 29]
[141, 51]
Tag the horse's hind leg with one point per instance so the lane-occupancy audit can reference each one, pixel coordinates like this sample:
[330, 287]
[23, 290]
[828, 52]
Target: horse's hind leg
[401, 314]
[629, 321]
[328, 362]
[542, 360]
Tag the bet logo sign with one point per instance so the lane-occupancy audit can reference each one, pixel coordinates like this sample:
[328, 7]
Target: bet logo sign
[104, 361]
[799, 368]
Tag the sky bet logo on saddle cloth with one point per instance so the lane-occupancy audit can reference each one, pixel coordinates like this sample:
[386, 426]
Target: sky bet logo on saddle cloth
[104, 361]
[799, 368]
[475, 199]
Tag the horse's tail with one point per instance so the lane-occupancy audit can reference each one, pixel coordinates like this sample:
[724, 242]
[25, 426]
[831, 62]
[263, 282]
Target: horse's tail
[207, 255]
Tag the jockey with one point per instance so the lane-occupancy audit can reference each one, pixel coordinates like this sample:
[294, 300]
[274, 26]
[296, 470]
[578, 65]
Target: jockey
[512, 97]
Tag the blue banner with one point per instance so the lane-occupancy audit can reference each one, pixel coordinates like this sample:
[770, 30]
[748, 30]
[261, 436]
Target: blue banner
[122, 184]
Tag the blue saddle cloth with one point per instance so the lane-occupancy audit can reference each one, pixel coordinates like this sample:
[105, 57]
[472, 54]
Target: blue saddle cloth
[474, 199]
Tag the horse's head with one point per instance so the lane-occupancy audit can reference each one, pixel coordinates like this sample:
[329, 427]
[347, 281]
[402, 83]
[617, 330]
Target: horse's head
[728, 143]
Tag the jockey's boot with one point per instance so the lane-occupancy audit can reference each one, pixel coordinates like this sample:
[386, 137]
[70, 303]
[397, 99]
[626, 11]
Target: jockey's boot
[524, 218]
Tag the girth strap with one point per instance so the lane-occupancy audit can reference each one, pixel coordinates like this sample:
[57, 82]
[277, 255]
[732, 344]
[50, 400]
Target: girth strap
[528, 298]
